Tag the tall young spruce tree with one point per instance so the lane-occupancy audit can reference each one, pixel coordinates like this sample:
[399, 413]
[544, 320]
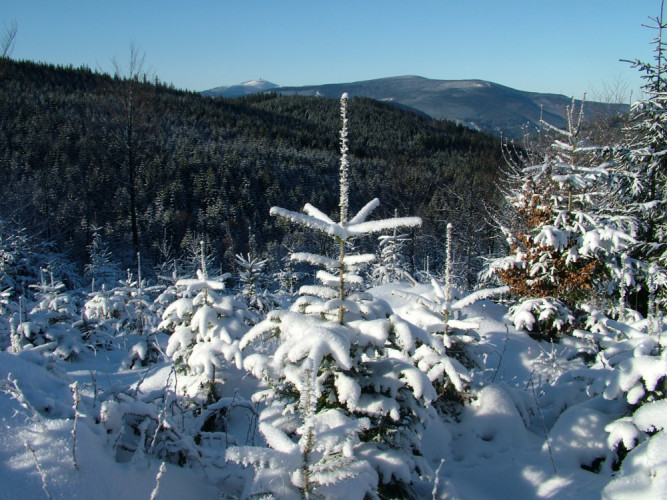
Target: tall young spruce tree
[642, 166]
[345, 405]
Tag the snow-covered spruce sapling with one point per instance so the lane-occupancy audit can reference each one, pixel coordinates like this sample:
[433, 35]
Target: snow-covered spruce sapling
[252, 284]
[204, 325]
[101, 316]
[49, 324]
[631, 368]
[288, 278]
[5, 323]
[100, 268]
[139, 322]
[452, 341]
[391, 266]
[345, 406]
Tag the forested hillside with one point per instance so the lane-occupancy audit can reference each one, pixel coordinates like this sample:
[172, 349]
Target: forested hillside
[155, 169]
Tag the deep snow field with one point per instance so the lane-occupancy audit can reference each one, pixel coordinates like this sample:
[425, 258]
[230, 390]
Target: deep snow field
[493, 447]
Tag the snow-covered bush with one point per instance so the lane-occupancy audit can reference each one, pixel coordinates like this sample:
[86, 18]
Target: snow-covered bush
[629, 367]
[170, 427]
[546, 316]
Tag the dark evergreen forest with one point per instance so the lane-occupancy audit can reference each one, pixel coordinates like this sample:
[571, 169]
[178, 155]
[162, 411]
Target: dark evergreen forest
[156, 169]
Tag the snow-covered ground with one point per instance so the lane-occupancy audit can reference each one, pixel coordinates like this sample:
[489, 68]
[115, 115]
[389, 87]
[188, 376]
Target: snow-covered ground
[529, 429]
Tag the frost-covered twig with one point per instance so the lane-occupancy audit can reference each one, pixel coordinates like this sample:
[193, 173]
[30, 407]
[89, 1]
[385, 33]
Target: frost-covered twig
[141, 381]
[158, 478]
[39, 469]
[15, 391]
[163, 414]
[252, 425]
[344, 162]
[448, 270]
[307, 404]
[436, 480]
[502, 353]
[544, 426]
[75, 392]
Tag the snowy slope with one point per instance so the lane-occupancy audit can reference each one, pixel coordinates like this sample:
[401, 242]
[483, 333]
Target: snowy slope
[493, 447]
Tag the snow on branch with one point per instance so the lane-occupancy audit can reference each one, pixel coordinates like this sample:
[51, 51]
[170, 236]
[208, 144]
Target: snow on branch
[377, 226]
[313, 220]
[479, 295]
[315, 259]
[317, 213]
[365, 211]
[355, 260]
[309, 221]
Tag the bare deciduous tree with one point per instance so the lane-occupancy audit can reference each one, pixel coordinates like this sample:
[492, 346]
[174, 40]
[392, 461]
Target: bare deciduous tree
[128, 127]
[8, 39]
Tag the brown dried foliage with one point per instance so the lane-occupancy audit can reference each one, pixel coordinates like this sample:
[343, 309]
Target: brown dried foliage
[568, 282]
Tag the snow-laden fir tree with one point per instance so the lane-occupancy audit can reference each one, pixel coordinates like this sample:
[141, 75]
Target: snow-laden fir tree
[642, 167]
[452, 340]
[634, 348]
[252, 284]
[345, 404]
[139, 320]
[564, 240]
[204, 325]
[100, 268]
[48, 325]
[391, 265]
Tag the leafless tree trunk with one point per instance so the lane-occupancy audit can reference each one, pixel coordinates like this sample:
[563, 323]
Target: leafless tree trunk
[127, 127]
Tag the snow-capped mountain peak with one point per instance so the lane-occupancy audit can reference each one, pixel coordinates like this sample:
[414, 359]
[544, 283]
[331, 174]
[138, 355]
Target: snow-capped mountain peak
[245, 88]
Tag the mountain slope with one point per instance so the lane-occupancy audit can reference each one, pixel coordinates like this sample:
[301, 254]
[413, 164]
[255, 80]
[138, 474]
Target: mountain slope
[479, 104]
[245, 88]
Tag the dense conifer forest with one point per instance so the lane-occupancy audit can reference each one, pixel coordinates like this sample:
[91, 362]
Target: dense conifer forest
[155, 169]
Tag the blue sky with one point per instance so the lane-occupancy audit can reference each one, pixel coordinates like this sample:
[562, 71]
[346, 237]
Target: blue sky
[560, 46]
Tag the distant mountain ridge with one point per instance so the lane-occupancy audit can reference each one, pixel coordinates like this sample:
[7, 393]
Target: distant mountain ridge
[478, 104]
[245, 88]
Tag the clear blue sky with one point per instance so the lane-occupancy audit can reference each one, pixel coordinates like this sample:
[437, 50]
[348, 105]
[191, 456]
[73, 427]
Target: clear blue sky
[561, 46]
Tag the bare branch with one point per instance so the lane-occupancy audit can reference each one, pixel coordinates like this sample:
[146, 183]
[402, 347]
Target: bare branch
[8, 39]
